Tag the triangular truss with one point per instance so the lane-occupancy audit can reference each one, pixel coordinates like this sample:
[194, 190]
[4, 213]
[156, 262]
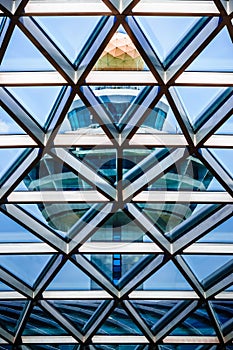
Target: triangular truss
[116, 187]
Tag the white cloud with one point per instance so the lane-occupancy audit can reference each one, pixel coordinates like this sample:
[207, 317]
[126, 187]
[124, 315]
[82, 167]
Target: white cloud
[4, 127]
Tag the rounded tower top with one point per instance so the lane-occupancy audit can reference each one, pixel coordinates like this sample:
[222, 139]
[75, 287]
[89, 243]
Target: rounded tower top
[120, 54]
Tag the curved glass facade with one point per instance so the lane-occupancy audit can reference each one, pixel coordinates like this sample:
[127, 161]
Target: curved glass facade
[116, 175]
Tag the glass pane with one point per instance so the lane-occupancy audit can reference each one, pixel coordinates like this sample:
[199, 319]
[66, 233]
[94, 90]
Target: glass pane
[26, 267]
[38, 101]
[22, 55]
[119, 323]
[223, 311]
[70, 277]
[120, 228]
[13, 232]
[64, 31]
[204, 95]
[227, 127]
[42, 323]
[9, 159]
[206, 265]
[217, 56]
[197, 324]
[10, 314]
[160, 119]
[78, 312]
[118, 267]
[101, 160]
[168, 277]
[224, 156]
[222, 233]
[153, 310]
[117, 99]
[8, 125]
[5, 287]
[52, 174]
[188, 175]
[164, 33]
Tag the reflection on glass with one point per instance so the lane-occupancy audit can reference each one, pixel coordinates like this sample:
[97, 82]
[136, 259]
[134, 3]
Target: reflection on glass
[78, 312]
[119, 323]
[114, 165]
[197, 324]
[25, 267]
[64, 31]
[42, 323]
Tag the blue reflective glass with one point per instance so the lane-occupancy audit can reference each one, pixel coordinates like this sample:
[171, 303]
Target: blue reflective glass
[41, 323]
[38, 101]
[205, 265]
[25, 267]
[119, 323]
[22, 55]
[197, 324]
[217, 56]
[8, 125]
[65, 32]
[168, 277]
[14, 232]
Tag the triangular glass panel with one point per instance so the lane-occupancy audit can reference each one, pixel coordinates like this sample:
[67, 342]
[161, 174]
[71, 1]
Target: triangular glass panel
[189, 175]
[137, 161]
[221, 234]
[26, 267]
[10, 158]
[223, 312]
[119, 323]
[169, 217]
[120, 54]
[58, 217]
[117, 267]
[41, 322]
[217, 56]
[151, 311]
[70, 277]
[51, 174]
[77, 312]
[102, 160]
[81, 127]
[8, 125]
[193, 215]
[37, 100]
[117, 99]
[197, 323]
[167, 35]
[22, 55]
[226, 128]
[206, 266]
[64, 31]
[168, 277]
[4, 287]
[204, 95]
[160, 119]
[10, 314]
[224, 157]
[120, 228]
[14, 233]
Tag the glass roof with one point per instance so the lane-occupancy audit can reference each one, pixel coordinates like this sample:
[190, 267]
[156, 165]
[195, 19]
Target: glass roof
[116, 183]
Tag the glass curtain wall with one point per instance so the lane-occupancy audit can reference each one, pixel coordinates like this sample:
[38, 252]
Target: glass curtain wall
[116, 175]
